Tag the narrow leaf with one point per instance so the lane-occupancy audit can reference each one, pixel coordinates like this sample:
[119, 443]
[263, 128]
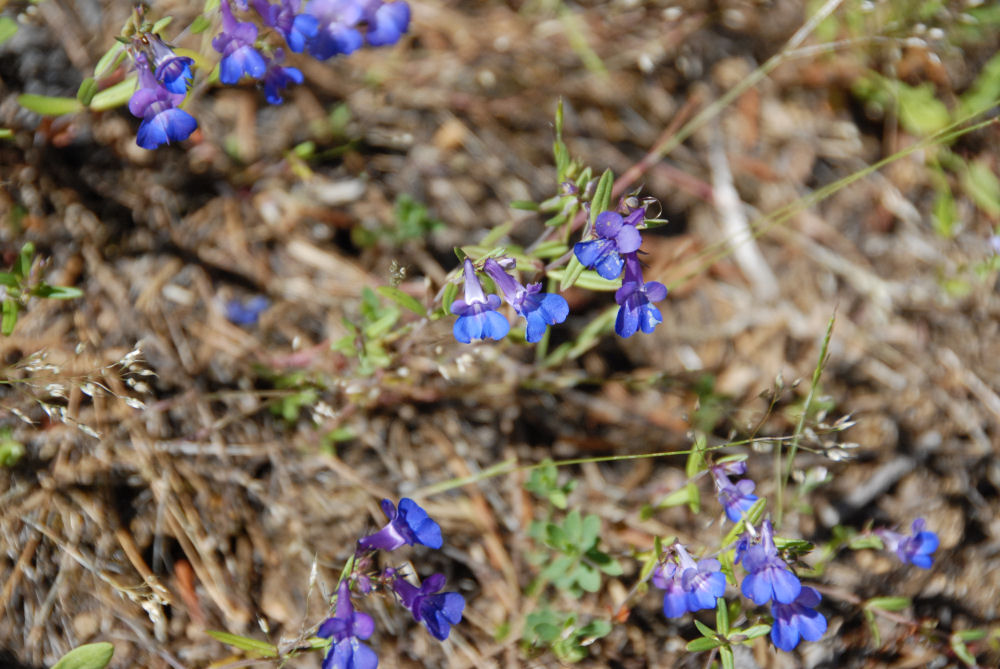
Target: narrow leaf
[402, 299]
[575, 274]
[8, 28]
[10, 309]
[243, 643]
[49, 105]
[109, 60]
[24, 258]
[56, 292]
[602, 195]
[115, 96]
[703, 643]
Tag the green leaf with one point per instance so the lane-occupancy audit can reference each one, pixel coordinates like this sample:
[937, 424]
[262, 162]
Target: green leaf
[862, 542]
[6, 133]
[605, 562]
[873, 627]
[573, 527]
[56, 292]
[983, 187]
[9, 280]
[588, 578]
[970, 635]
[110, 59]
[115, 96]
[450, 293]
[161, 24]
[755, 631]
[590, 532]
[595, 629]
[550, 249]
[944, 211]
[244, 643]
[22, 268]
[10, 311]
[678, 497]
[704, 643]
[888, 603]
[722, 617]
[602, 195]
[8, 28]
[496, 234]
[88, 656]
[87, 90]
[49, 105]
[585, 278]
[200, 24]
[726, 657]
[524, 205]
[705, 630]
[11, 450]
[402, 299]
[920, 111]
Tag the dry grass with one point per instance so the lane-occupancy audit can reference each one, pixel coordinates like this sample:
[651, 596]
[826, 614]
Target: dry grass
[161, 496]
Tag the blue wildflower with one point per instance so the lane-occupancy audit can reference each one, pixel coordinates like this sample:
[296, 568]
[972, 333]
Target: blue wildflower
[162, 122]
[616, 236]
[768, 577]
[236, 44]
[916, 549]
[387, 21]
[539, 309]
[636, 298]
[173, 71]
[347, 628]
[477, 313]
[296, 28]
[689, 585]
[246, 313]
[278, 76]
[438, 611]
[336, 27]
[408, 526]
[736, 499]
[797, 619]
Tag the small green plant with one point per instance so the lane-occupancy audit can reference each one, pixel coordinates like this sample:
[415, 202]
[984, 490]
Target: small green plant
[21, 283]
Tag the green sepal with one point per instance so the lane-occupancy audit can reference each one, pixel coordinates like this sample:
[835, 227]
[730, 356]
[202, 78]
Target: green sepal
[49, 105]
[89, 656]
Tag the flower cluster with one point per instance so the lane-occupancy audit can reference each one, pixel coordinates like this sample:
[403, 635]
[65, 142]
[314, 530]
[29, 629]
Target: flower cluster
[408, 525]
[615, 247]
[736, 499]
[323, 29]
[478, 317]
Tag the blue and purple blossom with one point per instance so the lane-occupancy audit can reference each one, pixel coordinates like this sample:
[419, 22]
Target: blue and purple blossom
[915, 549]
[437, 610]
[348, 628]
[387, 22]
[336, 27]
[296, 28]
[278, 77]
[616, 236]
[162, 121]
[796, 620]
[477, 313]
[768, 577]
[736, 499]
[539, 309]
[409, 525]
[236, 44]
[689, 585]
[636, 298]
[171, 70]
[246, 313]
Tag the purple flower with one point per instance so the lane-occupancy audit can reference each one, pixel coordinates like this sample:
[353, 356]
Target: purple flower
[689, 585]
[162, 122]
[768, 577]
[277, 77]
[296, 28]
[437, 611]
[735, 499]
[916, 549]
[336, 31]
[797, 619]
[347, 628]
[408, 526]
[539, 309]
[236, 44]
[615, 236]
[477, 313]
[636, 298]
[173, 71]
[246, 313]
[387, 21]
